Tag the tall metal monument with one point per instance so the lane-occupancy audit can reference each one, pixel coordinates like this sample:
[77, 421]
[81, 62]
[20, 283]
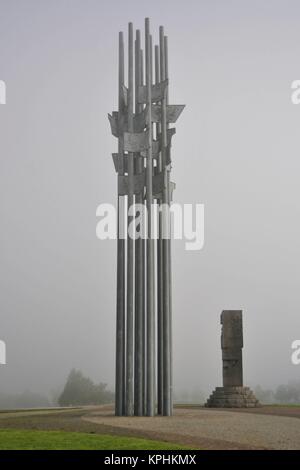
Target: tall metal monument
[143, 165]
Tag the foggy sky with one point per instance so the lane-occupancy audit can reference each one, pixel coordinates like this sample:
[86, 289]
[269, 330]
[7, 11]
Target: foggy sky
[236, 150]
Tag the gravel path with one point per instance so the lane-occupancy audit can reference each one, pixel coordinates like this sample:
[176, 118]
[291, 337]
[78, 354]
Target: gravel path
[210, 428]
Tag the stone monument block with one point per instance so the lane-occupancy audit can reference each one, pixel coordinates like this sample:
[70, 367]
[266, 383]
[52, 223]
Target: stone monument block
[232, 343]
[233, 394]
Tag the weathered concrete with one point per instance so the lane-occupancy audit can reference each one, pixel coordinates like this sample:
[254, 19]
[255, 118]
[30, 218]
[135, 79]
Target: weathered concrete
[232, 397]
[233, 394]
[232, 344]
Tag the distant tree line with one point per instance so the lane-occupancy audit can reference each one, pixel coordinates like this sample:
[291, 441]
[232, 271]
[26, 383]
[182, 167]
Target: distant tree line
[285, 394]
[80, 390]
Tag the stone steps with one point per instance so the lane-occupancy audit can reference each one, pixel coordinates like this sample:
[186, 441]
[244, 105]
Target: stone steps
[232, 397]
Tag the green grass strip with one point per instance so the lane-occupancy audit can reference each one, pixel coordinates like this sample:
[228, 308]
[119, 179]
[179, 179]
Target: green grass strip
[12, 439]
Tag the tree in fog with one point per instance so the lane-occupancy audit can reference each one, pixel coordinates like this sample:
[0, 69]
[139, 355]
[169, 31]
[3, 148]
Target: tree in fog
[289, 393]
[80, 390]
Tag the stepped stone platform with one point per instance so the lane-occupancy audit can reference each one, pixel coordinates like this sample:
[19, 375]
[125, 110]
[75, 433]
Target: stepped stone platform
[232, 397]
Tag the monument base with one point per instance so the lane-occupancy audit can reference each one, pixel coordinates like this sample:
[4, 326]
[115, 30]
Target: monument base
[232, 397]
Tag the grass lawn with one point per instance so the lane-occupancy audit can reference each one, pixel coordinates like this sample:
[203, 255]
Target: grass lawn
[13, 439]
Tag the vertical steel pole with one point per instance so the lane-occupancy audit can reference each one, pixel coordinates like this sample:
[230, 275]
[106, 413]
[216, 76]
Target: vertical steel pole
[153, 227]
[166, 284]
[130, 241]
[139, 290]
[159, 271]
[150, 247]
[143, 269]
[170, 243]
[120, 327]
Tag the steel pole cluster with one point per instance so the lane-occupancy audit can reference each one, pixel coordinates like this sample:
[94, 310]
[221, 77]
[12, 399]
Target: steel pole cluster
[143, 165]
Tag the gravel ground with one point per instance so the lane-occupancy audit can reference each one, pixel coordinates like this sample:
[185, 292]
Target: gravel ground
[266, 427]
[211, 428]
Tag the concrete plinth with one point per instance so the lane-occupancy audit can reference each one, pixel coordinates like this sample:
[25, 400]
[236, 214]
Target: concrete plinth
[232, 397]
